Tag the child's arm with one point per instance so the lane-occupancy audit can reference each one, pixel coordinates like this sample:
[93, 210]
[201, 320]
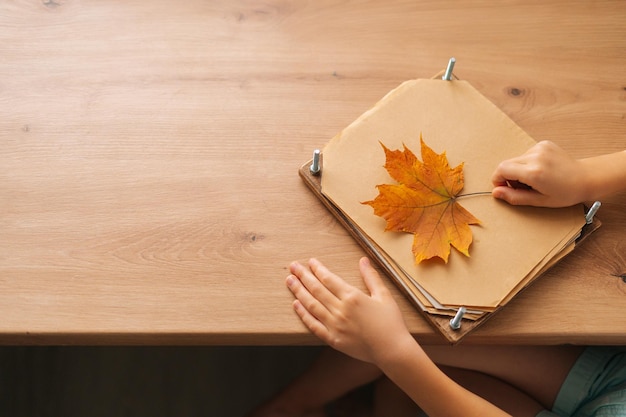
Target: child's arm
[371, 328]
[547, 176]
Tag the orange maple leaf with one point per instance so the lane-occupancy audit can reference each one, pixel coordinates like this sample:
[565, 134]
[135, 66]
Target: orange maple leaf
[424, 203]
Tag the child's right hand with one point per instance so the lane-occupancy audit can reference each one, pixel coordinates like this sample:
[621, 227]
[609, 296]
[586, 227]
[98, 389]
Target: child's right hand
[544, 176]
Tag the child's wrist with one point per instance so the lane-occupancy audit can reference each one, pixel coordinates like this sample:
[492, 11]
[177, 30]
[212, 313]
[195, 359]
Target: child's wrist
[589, 188]
[603, 175]
[397, 353]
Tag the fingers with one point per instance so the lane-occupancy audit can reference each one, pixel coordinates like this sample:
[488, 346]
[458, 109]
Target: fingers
[526, 168]
[309, 290]
[311, 311]
[342, 315]
[513, 182]
[511, 170]
[311, 322]
[316, 290]
[334, 284]
[319, 281]
[318, 295]
[519, 196]
[372, 279]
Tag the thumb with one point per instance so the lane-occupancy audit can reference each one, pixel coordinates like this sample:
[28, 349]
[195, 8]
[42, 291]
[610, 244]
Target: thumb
[518, 196]
[372, 279]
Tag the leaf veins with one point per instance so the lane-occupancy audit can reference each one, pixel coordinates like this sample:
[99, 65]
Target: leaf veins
[424, 202]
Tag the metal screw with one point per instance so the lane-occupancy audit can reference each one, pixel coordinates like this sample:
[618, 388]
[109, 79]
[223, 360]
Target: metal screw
[448, 75]
[315, 166]
[455, 323]
[592, 212]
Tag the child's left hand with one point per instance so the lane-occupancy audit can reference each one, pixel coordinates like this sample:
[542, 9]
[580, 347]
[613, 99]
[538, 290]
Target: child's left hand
[366, 327]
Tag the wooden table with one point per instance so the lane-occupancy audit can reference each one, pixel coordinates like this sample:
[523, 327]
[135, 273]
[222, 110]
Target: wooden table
[149, 153]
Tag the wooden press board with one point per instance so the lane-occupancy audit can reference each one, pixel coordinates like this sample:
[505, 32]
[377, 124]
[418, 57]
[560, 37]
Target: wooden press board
[440, 322]
[439, 318]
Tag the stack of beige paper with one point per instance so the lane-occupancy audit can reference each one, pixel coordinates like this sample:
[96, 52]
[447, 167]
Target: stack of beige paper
[511, 246]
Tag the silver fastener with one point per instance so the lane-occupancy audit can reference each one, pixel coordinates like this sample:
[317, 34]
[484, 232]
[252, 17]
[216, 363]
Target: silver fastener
[448, 75]
[315, 166]
[455, 323]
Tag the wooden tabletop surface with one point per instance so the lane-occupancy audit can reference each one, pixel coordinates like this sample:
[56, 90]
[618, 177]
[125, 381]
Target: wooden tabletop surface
[149, 155]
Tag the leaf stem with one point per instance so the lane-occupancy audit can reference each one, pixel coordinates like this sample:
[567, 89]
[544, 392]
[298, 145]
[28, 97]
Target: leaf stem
[473, 194]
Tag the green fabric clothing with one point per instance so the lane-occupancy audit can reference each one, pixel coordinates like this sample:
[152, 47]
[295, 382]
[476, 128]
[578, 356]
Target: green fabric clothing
[595, 386]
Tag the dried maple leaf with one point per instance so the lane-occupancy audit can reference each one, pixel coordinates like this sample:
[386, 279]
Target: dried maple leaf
[424, 203]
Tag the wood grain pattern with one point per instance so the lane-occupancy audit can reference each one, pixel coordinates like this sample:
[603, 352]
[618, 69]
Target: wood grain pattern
[149, 152]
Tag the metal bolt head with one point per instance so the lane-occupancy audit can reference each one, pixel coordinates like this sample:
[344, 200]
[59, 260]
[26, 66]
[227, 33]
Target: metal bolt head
[315, 166]
[592, 212]
[448, 75]
[455, 323]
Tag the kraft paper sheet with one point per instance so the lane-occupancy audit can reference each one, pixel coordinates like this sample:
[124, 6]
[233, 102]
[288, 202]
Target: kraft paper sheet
[512, 244]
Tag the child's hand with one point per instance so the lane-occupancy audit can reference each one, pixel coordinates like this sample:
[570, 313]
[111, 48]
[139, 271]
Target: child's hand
[544, 176]
[366, 327]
